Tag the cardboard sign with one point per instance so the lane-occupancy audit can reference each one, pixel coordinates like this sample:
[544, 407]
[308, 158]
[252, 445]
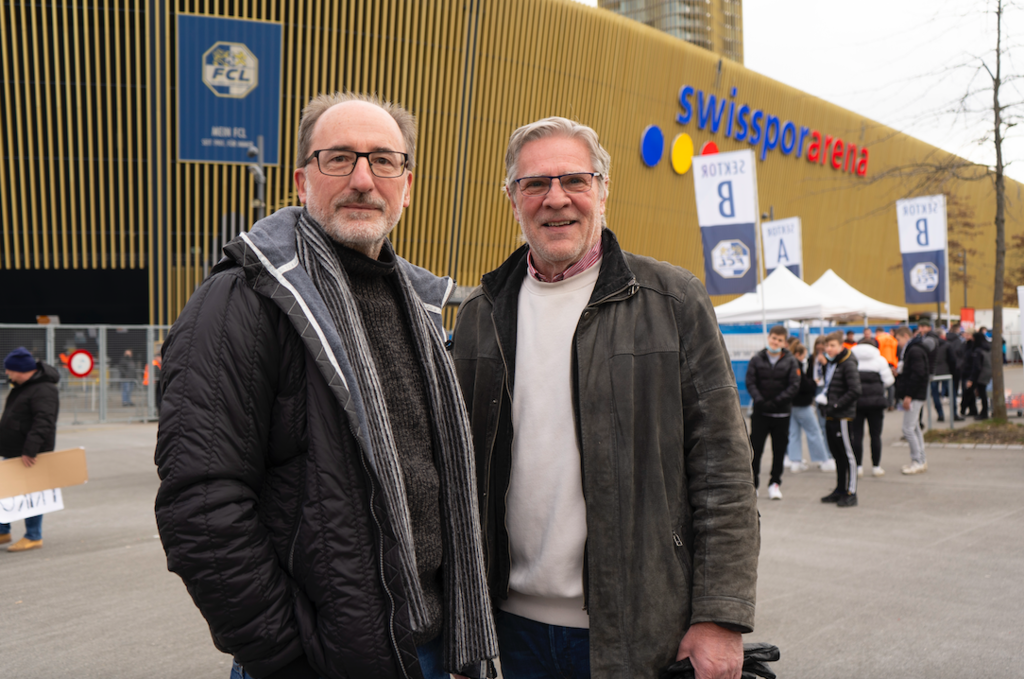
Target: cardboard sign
[59, 469]
[33, 504]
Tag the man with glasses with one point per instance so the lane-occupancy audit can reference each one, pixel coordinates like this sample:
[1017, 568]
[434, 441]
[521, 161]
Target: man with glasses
[317, 495]
[616, 492]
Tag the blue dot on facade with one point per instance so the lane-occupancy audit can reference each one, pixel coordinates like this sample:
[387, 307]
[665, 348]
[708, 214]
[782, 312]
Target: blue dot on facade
[652, 145]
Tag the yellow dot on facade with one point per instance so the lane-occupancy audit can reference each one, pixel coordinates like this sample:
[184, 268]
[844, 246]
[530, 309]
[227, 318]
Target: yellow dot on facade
[682, 153]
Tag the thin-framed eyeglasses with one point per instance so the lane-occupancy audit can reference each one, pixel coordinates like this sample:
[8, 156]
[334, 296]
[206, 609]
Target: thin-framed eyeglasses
[341, 162]
[575, 182]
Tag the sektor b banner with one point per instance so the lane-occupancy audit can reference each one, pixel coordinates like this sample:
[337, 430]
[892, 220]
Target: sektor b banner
[922, 229]
[726, 191]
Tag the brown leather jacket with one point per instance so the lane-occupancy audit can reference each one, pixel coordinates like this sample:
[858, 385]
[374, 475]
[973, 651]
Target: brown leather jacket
[672, 523]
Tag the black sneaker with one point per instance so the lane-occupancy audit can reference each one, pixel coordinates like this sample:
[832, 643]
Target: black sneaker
[848, 500]
[833, 496]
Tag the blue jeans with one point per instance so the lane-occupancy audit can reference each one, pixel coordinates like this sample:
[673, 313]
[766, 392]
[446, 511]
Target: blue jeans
[804, 417]
[33, 528]
[127, 387]
[535, 650]
[431, 662]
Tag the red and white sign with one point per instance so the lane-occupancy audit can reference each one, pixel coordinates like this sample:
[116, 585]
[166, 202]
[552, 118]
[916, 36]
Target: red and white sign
[80, 363]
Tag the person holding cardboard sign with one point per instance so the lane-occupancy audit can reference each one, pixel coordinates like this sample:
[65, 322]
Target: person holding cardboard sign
[28, 427]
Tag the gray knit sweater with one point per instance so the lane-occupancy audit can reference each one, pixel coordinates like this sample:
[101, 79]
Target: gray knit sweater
[375, 287]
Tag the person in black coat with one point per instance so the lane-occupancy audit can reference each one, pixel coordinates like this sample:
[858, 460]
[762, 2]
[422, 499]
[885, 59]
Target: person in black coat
[773, 379]
[980, 372]
[956, 354]
[28, 427]
[839, 405]
[911, 390]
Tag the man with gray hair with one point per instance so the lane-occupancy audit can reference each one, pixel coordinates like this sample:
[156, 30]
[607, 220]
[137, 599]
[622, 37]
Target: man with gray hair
[617, 500]
[317, 486]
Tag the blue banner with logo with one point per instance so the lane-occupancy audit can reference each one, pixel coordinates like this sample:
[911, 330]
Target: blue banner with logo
[725, 185]
[924, 276]
[922, 230]
[730, 259]
[229, 88]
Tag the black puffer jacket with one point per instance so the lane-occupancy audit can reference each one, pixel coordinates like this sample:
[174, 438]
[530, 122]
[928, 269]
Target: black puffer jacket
[912, 380]
[808, 388]
[844, 388]
[29, 423]
[772, 387]
[268, 509]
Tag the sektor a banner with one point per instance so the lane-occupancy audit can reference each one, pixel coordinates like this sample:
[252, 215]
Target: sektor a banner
[783, 246]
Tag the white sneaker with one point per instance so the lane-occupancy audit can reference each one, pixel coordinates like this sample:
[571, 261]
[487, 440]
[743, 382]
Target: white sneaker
[774, 493]
[797, 467]
[860, 471]
[828, 466]
[787, 464]
[878, 471]
[915, 468]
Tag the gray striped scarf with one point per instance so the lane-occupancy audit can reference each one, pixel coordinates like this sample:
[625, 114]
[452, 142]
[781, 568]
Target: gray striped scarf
[468, 628]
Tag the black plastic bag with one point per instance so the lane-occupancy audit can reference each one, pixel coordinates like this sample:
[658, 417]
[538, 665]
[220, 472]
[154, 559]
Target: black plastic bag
[755, 659]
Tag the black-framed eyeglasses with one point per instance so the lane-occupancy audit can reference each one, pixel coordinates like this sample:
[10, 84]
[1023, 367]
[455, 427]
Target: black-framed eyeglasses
[575, 182]
[341, 163]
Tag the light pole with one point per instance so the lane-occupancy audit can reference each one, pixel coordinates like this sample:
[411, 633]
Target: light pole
[256, 170]
[963, 271]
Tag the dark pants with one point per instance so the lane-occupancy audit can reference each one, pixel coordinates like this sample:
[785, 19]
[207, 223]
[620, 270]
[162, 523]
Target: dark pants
[940, 389]
[761, 427]
[982, 392]
[969, 406]
[837, 432]
[875, 417]
[536, 650]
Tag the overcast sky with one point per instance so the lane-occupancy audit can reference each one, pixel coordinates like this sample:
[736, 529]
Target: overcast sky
[899, 62]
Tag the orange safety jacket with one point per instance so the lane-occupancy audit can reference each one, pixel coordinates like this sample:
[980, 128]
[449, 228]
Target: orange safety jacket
[887, 346]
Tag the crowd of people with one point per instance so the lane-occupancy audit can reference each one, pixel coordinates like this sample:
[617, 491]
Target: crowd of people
[845, 383]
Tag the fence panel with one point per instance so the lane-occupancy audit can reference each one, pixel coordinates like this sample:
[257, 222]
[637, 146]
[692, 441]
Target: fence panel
[124, 383]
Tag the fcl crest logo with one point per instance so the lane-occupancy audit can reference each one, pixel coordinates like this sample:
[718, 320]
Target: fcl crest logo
[730, 258]
[924, 277]
[230, 70]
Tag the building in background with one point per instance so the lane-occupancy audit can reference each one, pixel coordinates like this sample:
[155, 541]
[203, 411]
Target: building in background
[715, 25]
[101, 222]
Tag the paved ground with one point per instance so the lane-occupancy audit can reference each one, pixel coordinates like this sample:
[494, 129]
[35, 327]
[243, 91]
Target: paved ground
[923, 579]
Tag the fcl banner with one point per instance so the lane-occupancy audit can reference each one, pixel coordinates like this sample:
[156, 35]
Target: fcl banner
[783, 245]
[922, 227]
[726, 188]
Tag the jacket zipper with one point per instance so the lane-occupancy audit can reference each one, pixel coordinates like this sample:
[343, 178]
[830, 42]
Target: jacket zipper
[631, 289]
[380, 564]
[494, 440]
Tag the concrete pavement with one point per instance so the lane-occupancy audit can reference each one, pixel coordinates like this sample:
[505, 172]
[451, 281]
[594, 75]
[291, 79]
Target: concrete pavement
[923, 579]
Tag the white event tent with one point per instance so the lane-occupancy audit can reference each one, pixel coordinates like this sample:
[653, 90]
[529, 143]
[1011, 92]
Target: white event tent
[843, 300]
[787, 298]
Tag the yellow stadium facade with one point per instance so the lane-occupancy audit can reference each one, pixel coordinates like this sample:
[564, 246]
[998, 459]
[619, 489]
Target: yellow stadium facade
[95, 208]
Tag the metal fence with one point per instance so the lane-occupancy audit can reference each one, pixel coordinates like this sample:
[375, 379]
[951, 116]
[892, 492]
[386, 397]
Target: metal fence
[124, 384]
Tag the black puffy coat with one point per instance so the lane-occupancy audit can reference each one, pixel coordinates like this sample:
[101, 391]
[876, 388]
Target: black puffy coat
[29, 422]
[872, 391]
[267, 508]
[808, 387]
[844, 388]
[914, 377]
[772, 387]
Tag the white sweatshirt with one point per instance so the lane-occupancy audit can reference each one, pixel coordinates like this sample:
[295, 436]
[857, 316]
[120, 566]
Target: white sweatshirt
[546, 515]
